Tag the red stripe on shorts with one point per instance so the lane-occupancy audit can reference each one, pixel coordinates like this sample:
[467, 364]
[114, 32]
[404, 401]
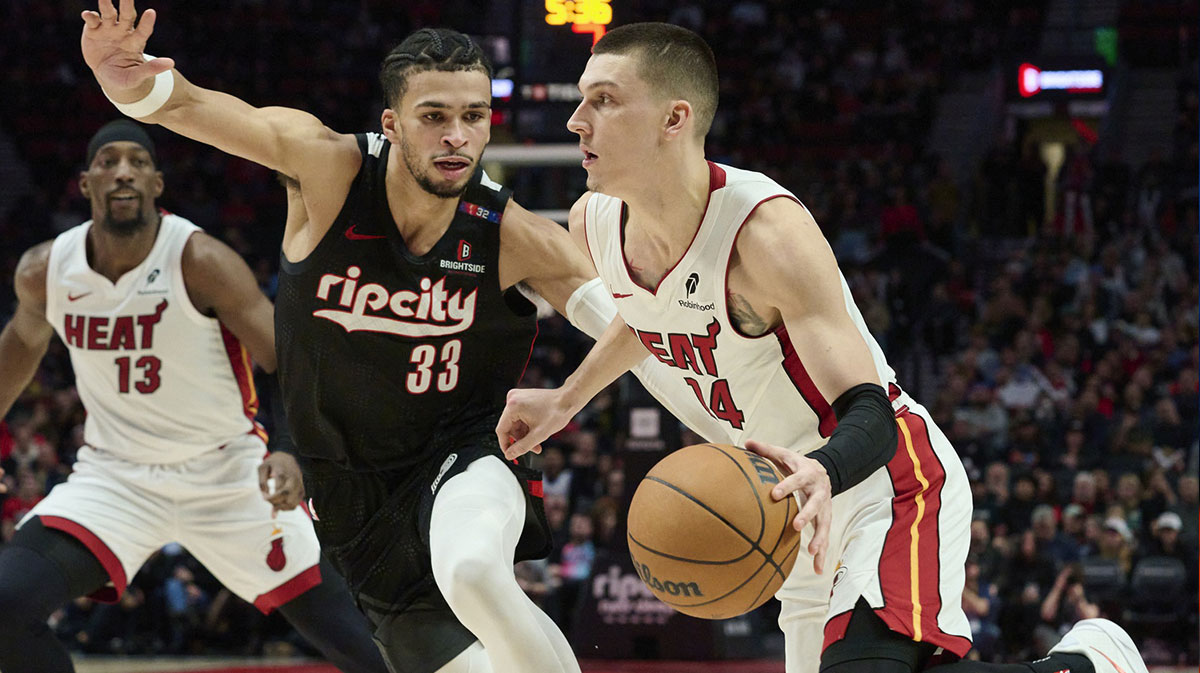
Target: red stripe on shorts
[112, 565]
[910, 567]
[284, 593]
[835, 628]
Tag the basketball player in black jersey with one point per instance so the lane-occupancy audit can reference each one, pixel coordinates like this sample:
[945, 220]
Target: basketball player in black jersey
[399, 331]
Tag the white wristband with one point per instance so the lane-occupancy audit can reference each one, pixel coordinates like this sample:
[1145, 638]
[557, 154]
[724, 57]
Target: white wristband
[591, 308]
[164, 84]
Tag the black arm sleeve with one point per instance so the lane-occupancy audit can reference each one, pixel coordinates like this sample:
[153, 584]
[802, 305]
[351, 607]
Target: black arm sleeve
[864, 440]
[280, 435]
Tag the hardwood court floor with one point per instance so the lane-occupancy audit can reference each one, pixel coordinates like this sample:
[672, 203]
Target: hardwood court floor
[263, 665]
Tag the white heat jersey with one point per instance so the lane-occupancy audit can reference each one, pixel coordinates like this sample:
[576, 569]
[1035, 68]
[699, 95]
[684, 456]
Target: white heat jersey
[161, 382]
[753, 387]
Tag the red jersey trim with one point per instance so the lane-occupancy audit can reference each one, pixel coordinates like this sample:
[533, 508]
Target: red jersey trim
[835, 628]
[587, 239]
[289, 590]
[729, 262]
[716, 180]
[804, 383]
[110, 562]
[239, 361]
[536, 332]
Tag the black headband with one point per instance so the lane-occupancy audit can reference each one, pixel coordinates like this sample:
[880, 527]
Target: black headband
[120, 130]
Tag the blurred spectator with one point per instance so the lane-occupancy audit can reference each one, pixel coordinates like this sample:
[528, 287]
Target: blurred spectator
[1065, 604]
[29, 492]
[982, 604]
[187, 604]
[573, 569]
[1050, 540]
[556, 478]
[1116, 544]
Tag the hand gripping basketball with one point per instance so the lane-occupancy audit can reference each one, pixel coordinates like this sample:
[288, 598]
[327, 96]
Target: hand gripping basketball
[705, 534]
[112, 46]
[807, 478]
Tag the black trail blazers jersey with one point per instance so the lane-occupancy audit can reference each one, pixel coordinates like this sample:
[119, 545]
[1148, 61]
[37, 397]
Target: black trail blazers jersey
[388, 359]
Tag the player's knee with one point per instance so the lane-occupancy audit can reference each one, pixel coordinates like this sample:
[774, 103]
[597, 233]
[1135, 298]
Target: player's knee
[470, 578]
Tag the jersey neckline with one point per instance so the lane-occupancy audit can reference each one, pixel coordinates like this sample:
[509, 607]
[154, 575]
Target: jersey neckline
[716, 180]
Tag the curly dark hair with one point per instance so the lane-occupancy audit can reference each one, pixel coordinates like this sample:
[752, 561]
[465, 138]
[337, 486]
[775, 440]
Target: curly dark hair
[429, 49]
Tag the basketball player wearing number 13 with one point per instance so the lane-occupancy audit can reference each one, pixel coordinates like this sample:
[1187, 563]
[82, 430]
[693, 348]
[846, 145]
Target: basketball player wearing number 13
[723, 276]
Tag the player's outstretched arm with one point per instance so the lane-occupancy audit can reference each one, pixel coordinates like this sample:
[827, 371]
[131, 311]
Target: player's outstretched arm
[558, 266]
[25, 338]
[540, 253]
[532, 415]
[290, 141]
[220, 284]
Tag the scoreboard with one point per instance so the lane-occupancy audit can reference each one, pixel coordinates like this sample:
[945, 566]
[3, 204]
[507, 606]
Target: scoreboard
[552, 41]
[583, 16]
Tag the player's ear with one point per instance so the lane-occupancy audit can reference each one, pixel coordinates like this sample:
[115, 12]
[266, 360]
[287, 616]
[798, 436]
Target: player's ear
[159, 185]
[83, 185]
[391, 125]
[679, 118]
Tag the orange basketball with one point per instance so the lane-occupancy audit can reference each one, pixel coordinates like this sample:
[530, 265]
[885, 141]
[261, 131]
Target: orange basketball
[705, 534]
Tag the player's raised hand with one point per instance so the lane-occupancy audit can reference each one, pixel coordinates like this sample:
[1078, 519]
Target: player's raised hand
[807, 478]
[112, 45]
[530, 416]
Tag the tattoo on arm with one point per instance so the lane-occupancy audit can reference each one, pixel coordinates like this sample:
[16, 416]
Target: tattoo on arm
[744, 316]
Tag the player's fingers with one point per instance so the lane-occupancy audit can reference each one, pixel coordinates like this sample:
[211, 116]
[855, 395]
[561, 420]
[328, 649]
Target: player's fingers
[820, 540]
[145, 27]
[516, 449]
[107, 11]
[772, 453]
[126, 14]
[790, 484]
[156, 66]
[264, 472]
[90, 19]
[504, 427]
[289, 484]
[809, 510]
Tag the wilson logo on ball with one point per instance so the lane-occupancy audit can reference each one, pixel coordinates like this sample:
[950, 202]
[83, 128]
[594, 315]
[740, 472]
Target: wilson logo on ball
[666, 586]
[764, 469]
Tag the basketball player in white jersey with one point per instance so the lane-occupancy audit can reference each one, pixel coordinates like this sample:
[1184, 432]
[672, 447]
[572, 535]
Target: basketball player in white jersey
[449, 603]
[161, 322]
[723, 276]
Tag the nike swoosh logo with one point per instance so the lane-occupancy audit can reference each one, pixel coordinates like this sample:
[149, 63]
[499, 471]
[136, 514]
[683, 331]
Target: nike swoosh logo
[618, 295]
[360, 237]
[1114, 664]
[71, 297]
